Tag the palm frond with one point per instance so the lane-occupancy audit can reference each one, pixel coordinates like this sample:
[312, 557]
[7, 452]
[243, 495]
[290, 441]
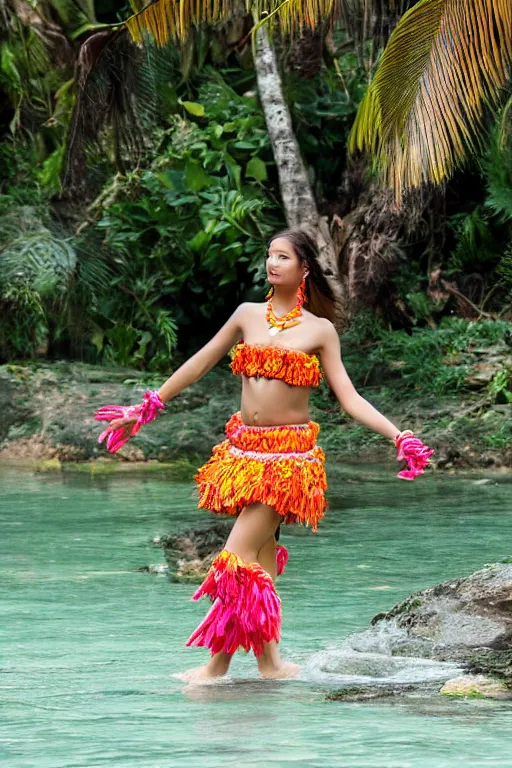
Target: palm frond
[72, 13]
[443, 71]
[173, 20]
[107, 84]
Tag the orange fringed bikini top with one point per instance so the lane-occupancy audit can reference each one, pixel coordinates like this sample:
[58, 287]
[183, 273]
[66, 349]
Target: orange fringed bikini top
[290, 365]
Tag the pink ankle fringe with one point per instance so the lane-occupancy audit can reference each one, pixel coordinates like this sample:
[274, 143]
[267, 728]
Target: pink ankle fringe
[246, 610]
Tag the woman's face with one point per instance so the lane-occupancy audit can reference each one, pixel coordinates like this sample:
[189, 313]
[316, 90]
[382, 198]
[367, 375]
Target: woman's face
[283, 265]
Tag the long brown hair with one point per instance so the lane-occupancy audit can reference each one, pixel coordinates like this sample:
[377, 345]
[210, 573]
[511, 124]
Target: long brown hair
[320, 300]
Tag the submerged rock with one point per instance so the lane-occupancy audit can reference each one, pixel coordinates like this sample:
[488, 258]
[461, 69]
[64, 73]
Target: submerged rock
[157, 569]
[466, 621]
[190, 553]
[368, 693]
[477, 687]
[361, 675]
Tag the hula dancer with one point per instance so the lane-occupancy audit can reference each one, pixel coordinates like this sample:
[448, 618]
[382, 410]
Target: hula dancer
[269, 470]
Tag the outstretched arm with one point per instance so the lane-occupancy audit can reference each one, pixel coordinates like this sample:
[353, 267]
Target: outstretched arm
[127, 424]
[348, 397]
[205, 359]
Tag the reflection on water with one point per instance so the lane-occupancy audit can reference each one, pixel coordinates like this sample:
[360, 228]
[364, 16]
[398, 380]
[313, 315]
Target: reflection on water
[90, 644]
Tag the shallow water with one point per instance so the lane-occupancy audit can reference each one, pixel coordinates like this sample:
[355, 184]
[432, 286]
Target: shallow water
[89, 644]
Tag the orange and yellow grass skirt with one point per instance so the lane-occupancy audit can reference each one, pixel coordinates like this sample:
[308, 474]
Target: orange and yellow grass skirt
[280, 466]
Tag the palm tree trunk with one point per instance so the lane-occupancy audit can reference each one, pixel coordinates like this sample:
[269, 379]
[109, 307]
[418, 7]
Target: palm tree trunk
[298, 201]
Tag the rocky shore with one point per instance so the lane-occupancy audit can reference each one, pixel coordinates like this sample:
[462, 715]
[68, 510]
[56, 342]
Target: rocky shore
[48, 421]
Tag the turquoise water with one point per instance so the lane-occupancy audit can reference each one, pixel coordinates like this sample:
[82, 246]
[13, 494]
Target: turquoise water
[89, 644]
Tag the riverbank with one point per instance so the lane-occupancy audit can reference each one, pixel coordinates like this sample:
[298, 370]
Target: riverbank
[48, 422]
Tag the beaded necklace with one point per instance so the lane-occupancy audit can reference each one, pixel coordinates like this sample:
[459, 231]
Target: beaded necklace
[285, 321]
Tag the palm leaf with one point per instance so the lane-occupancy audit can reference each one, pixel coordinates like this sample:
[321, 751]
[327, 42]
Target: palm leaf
[173, 19]
[443, 70]
[169, 19]
[34, 256]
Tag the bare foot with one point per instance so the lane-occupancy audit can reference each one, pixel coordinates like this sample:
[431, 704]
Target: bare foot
[284, 670]
[216, 667]
[199, 674]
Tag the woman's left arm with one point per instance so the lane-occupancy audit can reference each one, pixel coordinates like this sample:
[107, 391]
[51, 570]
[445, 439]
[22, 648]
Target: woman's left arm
[348, 397]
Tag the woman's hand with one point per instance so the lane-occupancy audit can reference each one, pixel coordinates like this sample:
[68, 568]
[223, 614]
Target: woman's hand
[126, 420]
[125, 424]
[120, 429]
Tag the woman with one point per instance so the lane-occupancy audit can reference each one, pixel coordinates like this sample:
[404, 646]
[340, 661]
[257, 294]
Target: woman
[269, 470]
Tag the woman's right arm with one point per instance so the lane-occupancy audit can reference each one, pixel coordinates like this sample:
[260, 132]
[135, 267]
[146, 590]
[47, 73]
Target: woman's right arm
[208, 356]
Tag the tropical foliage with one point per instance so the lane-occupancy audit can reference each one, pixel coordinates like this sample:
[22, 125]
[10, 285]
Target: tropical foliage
[172, 188]
[446, 65]
[172, 244]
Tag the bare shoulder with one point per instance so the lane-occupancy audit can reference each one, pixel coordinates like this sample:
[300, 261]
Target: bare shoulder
[246, 309]
[325, 333]
[248, 313]
[251, 309]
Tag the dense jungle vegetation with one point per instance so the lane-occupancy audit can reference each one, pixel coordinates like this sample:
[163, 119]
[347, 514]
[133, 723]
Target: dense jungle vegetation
[138, 187]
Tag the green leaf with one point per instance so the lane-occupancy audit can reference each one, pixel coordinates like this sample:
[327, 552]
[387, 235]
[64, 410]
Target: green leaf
[234, 170]
[256, 169]
[164, 178]
[194, 108]
[199, 241]
[196, 177]
[244, 145]
[217, 130]
[97, 340]
[8, 67]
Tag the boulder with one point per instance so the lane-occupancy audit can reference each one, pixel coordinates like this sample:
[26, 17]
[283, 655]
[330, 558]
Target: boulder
[458, 633]
[457, 619]
[190, 554]
[477, 687]
[48, 413]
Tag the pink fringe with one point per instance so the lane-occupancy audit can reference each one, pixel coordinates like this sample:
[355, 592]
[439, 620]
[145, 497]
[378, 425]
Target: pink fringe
[146, 411]
[246, 610]
[282, 558]
[415, 453]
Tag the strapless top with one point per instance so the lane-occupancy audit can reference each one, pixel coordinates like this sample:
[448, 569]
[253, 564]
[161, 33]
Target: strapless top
[299, 369]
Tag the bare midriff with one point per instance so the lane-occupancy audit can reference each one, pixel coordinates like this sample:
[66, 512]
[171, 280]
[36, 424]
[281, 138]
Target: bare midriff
[271, 402]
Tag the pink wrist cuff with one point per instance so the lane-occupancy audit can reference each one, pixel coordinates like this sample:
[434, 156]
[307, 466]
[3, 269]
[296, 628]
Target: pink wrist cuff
[151, 407]
[401, 435]
[414, 452]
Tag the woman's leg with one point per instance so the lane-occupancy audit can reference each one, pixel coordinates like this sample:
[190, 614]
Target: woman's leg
[269, 663]
[254, 526]
[267, 557]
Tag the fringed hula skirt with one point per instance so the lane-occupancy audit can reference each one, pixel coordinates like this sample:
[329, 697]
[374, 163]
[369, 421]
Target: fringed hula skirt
[280, 466]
